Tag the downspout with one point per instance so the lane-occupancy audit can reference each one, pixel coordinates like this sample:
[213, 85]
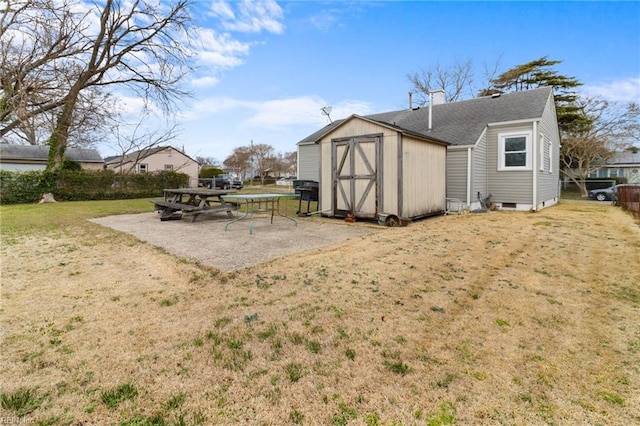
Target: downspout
[469, 178]
[534, 164]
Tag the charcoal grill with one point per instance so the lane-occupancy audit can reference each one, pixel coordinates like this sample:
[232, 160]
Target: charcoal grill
[308, 191]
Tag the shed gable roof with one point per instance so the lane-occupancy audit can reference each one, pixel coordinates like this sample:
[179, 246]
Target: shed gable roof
[459, 123]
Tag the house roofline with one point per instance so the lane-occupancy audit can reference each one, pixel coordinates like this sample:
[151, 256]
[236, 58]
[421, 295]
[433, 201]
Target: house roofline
[507, 123]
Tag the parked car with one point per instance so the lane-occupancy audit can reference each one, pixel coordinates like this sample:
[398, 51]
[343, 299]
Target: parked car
[603, 194]
[218, 182]
[284, 181]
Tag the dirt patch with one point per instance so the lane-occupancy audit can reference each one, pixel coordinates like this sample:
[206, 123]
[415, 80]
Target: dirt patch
[500, 318]
[207, 241]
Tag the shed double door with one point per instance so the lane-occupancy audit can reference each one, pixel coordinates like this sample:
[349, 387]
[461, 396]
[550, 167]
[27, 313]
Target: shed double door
[355, 176]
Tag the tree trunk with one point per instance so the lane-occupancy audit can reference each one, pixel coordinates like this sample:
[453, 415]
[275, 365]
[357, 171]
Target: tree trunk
[60, 136]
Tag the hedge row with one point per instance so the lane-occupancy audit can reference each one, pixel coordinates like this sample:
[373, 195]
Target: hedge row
[79, 185]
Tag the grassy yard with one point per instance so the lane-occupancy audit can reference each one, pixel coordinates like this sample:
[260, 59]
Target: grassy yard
[499, 318]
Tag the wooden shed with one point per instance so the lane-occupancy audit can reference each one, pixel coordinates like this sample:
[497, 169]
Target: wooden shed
[371, 169]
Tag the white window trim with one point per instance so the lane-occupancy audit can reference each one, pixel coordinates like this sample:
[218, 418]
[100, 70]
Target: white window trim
[501, 139]
[140, 166]
[542, 151]
[550, 156]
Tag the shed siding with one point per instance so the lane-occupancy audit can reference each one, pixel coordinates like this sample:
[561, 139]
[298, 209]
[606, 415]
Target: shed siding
[423, 177]
[507, 186]
[391, 185]
[309, 162]
[457, 173]
[548, 182]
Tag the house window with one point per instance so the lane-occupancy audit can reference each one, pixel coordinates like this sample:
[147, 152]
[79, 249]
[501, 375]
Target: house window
[168, 167]
[514, 151]
[613, 173]
[143, 168]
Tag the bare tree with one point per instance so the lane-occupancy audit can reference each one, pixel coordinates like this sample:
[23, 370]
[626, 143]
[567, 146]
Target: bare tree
[264, 158]
[207, 161]
[134, 45]
[239, 162]
[456, 81]
[36, 37]
[138, 143]
[606, 130]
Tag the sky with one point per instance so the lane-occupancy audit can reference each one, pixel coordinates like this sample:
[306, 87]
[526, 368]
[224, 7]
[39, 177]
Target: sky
[266, 69]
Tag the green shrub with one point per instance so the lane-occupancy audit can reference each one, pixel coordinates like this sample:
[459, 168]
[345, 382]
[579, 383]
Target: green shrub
[81, 185]
[209, 172]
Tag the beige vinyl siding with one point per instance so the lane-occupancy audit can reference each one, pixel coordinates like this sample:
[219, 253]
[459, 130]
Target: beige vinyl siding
[309, 162]
[457, 173]
[548, 186]
[423, 177]
[507, 186]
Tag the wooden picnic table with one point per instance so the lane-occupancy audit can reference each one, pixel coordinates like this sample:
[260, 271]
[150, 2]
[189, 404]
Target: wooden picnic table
[269, 203]
[193, 202]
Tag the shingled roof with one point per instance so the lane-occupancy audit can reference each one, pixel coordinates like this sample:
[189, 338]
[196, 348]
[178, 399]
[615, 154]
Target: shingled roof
[140, 155]
[10, 152]
[459, 123]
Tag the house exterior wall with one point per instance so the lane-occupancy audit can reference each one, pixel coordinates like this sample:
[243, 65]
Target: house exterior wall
[29, 166]
[157, 161]
[507, 186]
[457, 168]
[423, 177]
[22, 167]
[479, 172]
[309, 162]
[548, 185]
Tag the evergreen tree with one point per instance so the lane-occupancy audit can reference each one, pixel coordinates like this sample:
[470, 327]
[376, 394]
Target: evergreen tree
[539, 73]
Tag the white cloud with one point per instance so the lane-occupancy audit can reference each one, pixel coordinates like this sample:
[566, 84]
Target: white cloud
[278, 113]
[251, 16]
[304, 110]
[204, 82]
[221, 9]
[218, 51]
[627, 90]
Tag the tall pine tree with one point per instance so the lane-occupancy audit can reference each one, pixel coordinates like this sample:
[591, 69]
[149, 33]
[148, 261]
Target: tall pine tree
[539, 73]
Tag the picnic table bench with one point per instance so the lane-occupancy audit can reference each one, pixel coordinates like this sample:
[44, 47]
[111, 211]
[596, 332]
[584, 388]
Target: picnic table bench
[192, 202]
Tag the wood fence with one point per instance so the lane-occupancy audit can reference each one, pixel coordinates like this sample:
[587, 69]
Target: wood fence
[628, 196]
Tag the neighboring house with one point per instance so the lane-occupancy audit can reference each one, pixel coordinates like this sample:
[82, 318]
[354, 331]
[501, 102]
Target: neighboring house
[24, 158]
[505, 145]
[624, 164]
[156, 159]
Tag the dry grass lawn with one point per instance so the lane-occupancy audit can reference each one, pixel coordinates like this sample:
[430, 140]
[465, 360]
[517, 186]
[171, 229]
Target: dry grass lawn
[500, 318]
